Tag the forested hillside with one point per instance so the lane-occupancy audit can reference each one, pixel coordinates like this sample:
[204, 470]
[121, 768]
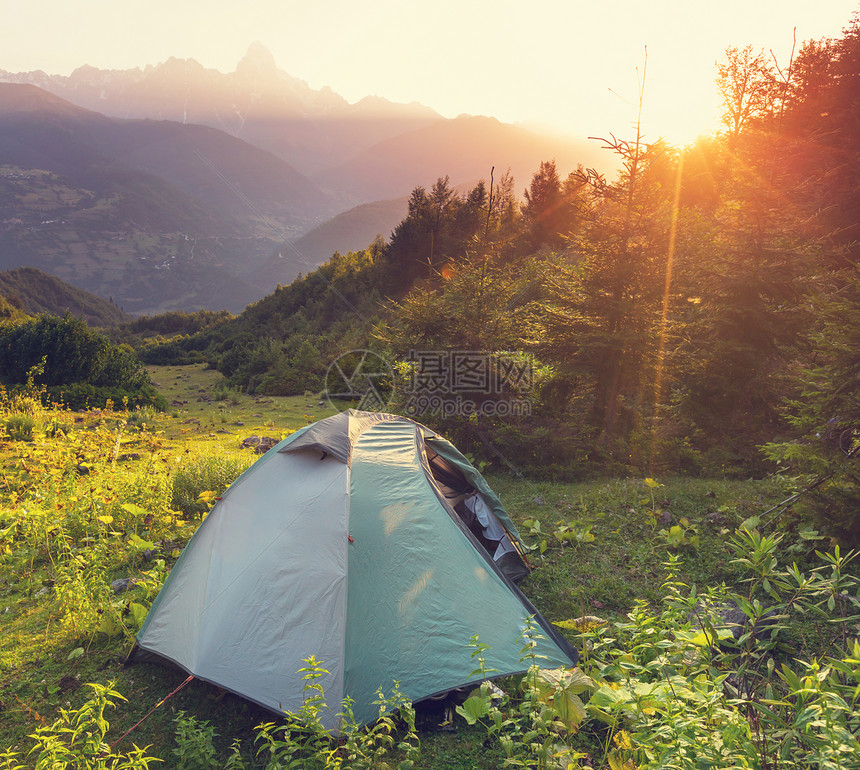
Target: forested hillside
[33, 291]
[696, 310]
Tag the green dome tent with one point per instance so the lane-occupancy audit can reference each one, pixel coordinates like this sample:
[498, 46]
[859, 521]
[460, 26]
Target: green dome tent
[343, 542]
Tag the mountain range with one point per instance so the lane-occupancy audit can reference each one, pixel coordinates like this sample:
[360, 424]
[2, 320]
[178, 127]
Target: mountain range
[179, 187]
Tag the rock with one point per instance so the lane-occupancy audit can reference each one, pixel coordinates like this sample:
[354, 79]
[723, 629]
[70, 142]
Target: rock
[260, 444]
[41, 592]
[120, 585]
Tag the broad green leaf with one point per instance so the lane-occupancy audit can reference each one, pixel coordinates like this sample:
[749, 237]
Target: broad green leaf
[138, 613]
[705, 639]
[675, 536]
[558, 687]
[474, 708]
[109, 626]
[138, 542]
[750, 524]
[582, 624]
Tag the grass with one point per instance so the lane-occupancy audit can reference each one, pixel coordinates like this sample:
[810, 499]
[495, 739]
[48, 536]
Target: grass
[624, 559]
[201, 407]
[111, 480]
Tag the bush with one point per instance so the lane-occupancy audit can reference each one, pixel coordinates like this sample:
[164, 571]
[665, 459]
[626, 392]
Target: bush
[78, 366]
[194, 748]
[141, 416]
[83, 395]
[209, 473]
[20, 427]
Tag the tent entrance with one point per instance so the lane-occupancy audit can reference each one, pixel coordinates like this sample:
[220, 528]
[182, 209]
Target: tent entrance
[474, 512]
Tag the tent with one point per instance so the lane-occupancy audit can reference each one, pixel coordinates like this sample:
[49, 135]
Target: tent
[341, 543]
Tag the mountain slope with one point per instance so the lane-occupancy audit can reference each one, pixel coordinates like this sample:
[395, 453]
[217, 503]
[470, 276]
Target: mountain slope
[80, 201]
[465, 149]
[42, 131]
[35, 291]
[352, 230]
[131, 206]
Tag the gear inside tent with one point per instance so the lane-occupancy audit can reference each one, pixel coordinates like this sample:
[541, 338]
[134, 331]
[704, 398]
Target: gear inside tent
[367, 541]
[472, 508]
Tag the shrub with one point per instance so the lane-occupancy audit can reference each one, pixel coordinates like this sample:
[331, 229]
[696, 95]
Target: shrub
[208, 473]
[83, 395]
[20, 427]
[222, 392]
[194, 748]
[75, 364]
[141, 416]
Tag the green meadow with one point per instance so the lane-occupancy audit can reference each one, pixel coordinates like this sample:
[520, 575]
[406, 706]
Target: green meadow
[633, 570]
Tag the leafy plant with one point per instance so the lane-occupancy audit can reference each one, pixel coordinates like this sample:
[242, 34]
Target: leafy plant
[681, 534]
[20, 427]
[532, 727]
[77, 739]
[693, 687]
[303, 740]
[194, 748]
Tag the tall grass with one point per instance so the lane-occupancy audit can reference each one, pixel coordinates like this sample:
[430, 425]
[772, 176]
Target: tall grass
[206, 473]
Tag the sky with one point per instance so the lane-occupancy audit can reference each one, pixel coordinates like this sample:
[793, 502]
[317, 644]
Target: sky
[573, 66]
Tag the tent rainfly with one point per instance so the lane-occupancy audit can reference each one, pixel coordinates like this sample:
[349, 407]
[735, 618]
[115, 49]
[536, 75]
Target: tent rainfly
[367, 541]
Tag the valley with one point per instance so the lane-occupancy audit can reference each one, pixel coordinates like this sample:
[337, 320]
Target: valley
[175, 187]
